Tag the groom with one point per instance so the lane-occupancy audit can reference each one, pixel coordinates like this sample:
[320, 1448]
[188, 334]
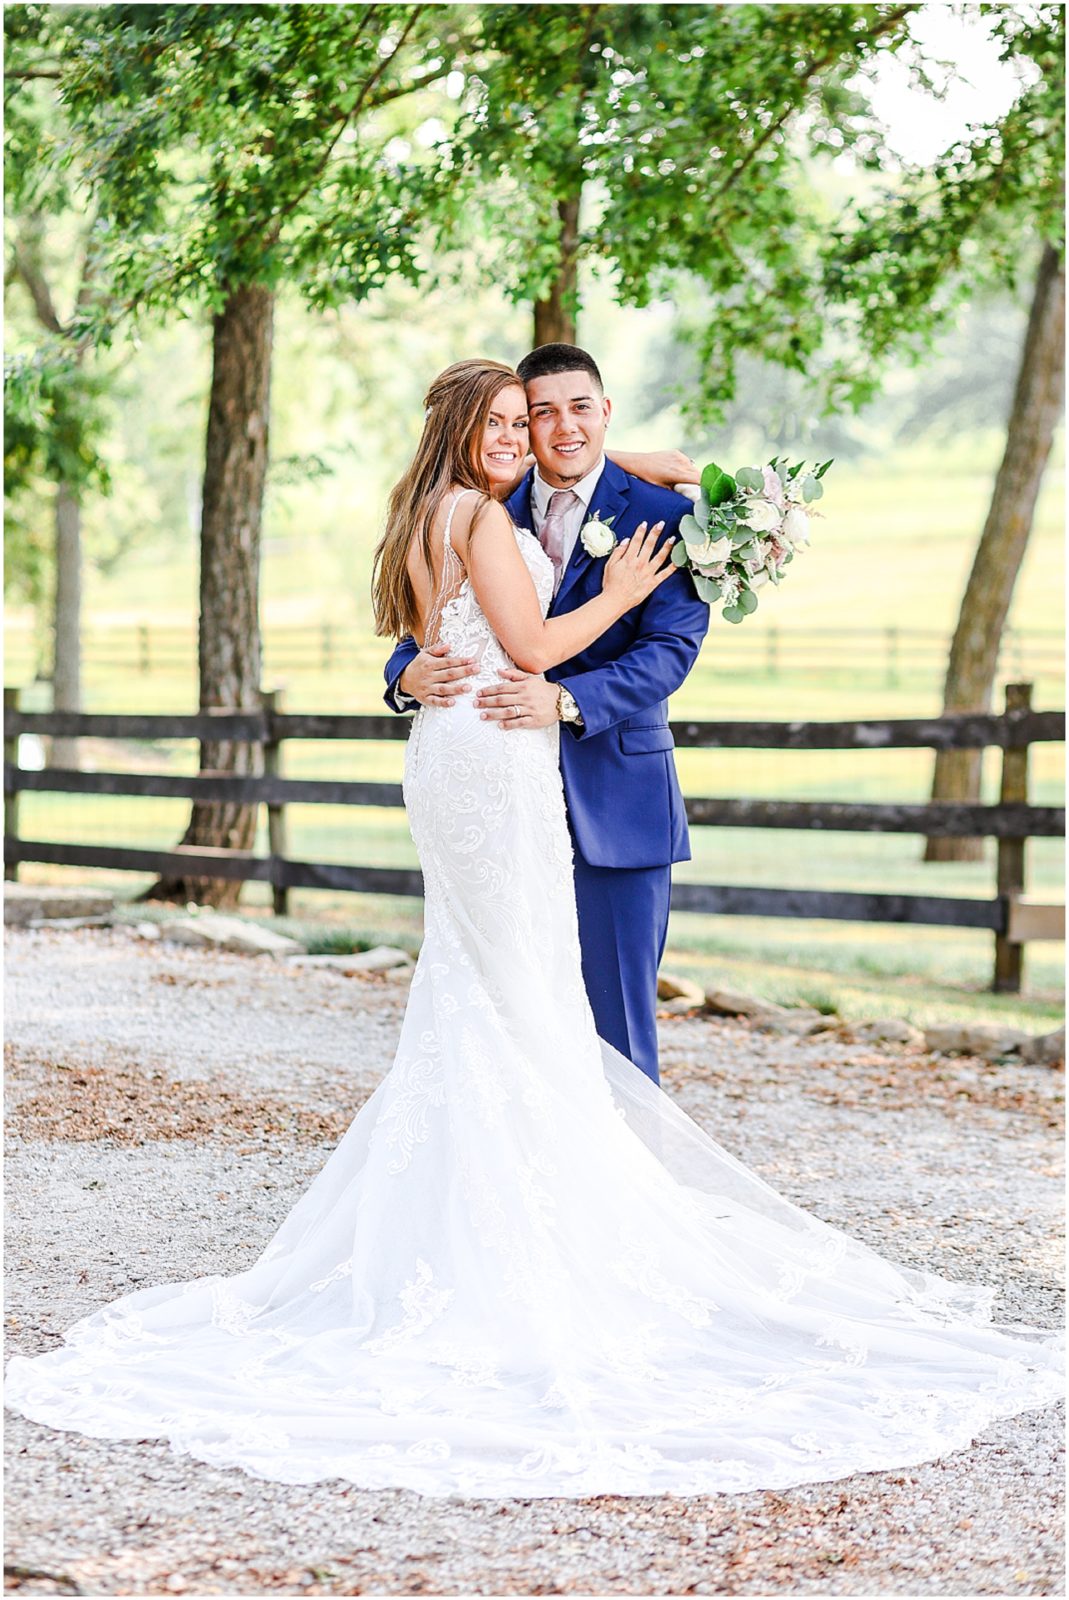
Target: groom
[624, 803]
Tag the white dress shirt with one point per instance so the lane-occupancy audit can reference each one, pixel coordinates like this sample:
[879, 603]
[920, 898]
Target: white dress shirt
[576, 517]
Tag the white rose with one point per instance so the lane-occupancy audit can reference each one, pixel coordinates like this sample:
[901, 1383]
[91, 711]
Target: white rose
[796, 525]
[709, 553]
[758, 579]
[597, 538]
[760, 515]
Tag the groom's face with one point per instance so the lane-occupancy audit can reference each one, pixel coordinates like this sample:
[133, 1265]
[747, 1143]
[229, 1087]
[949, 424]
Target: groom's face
[568, 418]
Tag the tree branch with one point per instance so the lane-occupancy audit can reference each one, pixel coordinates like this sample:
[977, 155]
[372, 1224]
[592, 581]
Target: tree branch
[29, 270]
[812, 67]
[343, 121]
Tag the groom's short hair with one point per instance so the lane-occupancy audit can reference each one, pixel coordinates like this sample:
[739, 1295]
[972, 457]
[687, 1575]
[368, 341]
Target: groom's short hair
[550, 359]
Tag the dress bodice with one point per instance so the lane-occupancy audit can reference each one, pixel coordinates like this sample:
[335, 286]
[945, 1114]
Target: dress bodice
[457, 618]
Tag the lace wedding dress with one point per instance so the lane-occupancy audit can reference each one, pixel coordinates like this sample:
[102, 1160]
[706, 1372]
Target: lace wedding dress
[524, 1271]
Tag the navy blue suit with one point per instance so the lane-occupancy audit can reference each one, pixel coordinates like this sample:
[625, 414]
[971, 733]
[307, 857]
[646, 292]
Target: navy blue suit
[624, 803]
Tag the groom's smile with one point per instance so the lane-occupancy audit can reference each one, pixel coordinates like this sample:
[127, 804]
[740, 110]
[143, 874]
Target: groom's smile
[568, 418]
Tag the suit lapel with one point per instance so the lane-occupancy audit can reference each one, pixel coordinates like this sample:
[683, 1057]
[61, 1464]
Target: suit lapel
[518, 504]
[608, 501]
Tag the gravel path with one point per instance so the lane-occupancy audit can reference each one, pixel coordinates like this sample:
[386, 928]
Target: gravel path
[165, 1109]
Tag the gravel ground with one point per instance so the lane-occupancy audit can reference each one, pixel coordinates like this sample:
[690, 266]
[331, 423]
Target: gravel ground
[210, 1088]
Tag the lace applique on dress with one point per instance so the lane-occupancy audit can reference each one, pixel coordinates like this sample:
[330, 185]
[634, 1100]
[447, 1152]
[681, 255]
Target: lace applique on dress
[451, 578]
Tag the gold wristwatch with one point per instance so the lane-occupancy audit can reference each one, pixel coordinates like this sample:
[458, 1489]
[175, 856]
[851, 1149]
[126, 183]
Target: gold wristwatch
[567, 709]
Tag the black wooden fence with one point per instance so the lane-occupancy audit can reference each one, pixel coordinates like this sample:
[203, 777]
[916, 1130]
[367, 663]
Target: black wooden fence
[1008, 914]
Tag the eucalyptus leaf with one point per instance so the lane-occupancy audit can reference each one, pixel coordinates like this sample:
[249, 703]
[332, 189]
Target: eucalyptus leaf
[708, 589]
[733, 613]
[750, 478]
[747, 601]
[812, 488]
[679, 553]
[691, 531]
[703, 511]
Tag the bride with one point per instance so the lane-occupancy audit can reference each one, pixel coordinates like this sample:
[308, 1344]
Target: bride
[524, 1271]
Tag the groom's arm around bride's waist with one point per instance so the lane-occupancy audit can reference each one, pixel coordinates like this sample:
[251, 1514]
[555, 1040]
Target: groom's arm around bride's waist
[405, 651]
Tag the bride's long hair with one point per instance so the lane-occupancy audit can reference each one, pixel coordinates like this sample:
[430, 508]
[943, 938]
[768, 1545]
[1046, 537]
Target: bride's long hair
[449, 452]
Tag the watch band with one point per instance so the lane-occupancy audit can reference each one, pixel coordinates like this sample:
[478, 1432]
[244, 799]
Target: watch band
[567, 707]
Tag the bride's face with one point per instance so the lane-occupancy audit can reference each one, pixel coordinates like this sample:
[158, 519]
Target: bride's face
[504, 441]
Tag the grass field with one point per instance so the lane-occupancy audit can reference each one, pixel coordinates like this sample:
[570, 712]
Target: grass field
[892, 551]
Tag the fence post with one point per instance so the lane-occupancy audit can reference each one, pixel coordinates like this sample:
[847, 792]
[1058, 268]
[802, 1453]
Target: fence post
[892, 657]
[772, 651]
[1009, 958]
[271, 700]
[11, 801]
[328, 647]
[144, 658]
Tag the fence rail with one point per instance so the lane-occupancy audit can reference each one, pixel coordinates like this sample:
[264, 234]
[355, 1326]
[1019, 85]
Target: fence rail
[1007, 914]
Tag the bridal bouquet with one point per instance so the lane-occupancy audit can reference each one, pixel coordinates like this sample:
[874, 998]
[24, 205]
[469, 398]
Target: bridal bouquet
[745, 529]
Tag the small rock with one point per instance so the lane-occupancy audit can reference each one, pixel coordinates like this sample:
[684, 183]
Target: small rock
[729, 1004]
[888, 1030]
[26, 902]
[69, 924]
[1044, 1049]
[148, 930]
[797, 1019]
[986, 1039]
[228, 933]
[380, 959]
[676, 989]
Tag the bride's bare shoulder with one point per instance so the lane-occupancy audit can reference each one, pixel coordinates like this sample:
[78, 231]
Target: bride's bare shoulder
[480, 514]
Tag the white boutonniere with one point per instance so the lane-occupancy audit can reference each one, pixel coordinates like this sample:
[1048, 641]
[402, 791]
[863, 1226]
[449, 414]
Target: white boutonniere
[597, 537]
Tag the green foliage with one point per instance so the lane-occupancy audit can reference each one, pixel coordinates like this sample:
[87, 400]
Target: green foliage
[52, 421]
[675, 123]
[894, 269]
[234, 144]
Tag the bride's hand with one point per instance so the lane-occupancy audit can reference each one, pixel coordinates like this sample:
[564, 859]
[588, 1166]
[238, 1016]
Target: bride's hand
[637, 567]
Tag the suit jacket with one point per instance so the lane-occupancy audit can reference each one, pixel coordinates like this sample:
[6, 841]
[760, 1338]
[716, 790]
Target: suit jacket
[620, 783]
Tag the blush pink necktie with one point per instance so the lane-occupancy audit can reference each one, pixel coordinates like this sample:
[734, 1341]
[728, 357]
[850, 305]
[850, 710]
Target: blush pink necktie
[552, 535]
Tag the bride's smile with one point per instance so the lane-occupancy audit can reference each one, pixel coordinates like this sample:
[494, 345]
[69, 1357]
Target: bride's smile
[504, 441]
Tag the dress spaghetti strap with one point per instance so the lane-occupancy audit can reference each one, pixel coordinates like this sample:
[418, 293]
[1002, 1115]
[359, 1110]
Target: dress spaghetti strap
[452, 578]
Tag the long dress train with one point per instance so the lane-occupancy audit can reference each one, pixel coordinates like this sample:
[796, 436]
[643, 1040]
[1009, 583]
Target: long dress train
[524, 1271]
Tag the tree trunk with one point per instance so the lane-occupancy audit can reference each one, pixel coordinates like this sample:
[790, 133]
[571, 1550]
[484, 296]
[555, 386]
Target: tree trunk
[230, 654]
[970, 678]
[67, 619]
[555, 316]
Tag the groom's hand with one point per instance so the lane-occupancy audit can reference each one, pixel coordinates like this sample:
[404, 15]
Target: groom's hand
[435, 677]
[518, 700]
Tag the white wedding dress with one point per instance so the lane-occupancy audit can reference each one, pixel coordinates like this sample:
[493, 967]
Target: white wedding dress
[524, 1271]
